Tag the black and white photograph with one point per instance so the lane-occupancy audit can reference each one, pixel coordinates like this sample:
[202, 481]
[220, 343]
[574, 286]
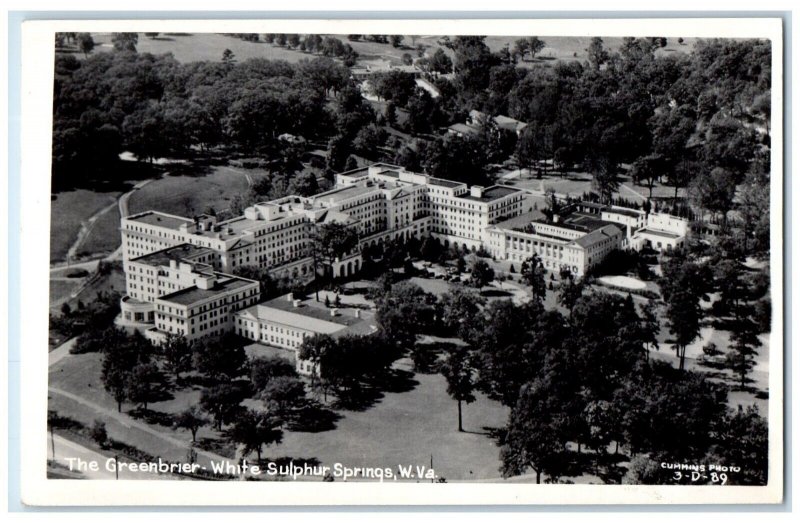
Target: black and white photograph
[514, 259]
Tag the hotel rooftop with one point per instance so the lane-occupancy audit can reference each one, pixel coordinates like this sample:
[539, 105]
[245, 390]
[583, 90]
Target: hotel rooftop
[161, 219]
[184, 252]
[195, 294]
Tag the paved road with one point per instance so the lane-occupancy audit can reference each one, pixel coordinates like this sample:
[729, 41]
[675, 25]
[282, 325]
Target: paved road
[129, 423]
[633, 192]
[61, 352]
[69, 449]
[247, 175]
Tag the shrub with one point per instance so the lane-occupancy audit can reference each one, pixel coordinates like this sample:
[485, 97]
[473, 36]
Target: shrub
[99, 434]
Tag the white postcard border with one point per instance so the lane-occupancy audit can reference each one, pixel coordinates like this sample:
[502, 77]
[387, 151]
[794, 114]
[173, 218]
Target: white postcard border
[36, 126]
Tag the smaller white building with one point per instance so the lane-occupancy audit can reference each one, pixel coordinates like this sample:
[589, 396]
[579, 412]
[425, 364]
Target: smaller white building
[285, 322]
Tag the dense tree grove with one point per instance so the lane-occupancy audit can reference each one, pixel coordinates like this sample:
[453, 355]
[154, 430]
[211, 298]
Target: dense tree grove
[154, 106]
[697, 120]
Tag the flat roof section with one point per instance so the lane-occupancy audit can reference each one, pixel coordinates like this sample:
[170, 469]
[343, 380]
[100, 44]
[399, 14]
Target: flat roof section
[583, 221]
[344, 193]
[356, 173]
[662, 234]
[161, 219]
[182, 252]
[624, 212]
[308, 309]
[521, 221]
[444, 183]
[195, 294]
[495, 192]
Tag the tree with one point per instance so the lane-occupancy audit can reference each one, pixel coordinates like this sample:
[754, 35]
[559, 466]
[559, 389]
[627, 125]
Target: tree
[527, 149]
[643, 470]
[228, 58]
[151, 36]
[125, 41]
[119, 361]
[481, 274]
[440, 62]
[191, 419]
[283, 395]
[396, 40]
[395, 85]
[604, 177]
[460, 309]
[265, 369]
[85, 43]
[473, 61]
[177, 352]
[333, 241]
[683, 315]
[714, 191]
[650, 325]
[754, 206]
[115, 381]
[252, 430]
[220, 356]
[403, 312]
[313, 349]
[99, 434]
[744, 440]
[744, 342]
[535, 437]
[533, 273]
[683, 286]
[536, 45]
[460, 385]
[569, 292]
[521, 48]
[596, 53]
[303, 184]
[143, 383]
[647, 170]
[222, 402]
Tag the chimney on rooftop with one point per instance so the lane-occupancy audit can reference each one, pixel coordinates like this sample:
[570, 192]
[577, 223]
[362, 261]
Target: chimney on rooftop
[358, 313]
[334, 312]
[290, 297]
[476, 191]
[296, 303]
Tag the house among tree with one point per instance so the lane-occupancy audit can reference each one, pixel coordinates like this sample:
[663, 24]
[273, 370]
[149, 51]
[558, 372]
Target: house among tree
[362, 73]
[473, 123]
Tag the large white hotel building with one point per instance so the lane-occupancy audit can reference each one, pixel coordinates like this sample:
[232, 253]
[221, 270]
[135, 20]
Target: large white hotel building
[178, 269]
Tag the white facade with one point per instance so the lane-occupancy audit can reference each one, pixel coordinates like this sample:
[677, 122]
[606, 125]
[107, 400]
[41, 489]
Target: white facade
[559, 246]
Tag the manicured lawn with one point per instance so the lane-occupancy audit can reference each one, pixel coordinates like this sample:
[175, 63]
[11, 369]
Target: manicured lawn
[435, 287]
[408, 428]
[188, 195]
[401, 428]
[104, 236]
[67, 211]
[196, 47]
[61, 289]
